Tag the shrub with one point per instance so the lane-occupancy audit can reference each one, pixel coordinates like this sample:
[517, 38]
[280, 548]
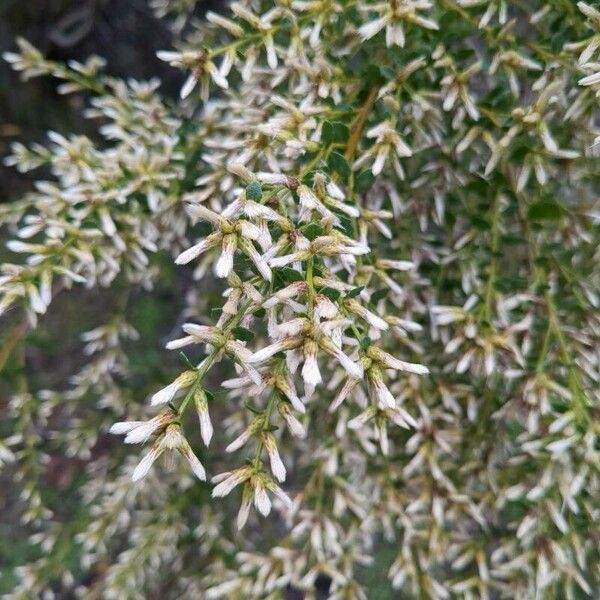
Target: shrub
[397, 201]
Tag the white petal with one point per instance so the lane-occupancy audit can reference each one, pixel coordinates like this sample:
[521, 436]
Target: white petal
[196, 465]
[165, 395]
[238, 442]
[368, 30]
[277, 466]
[124, 427]
[191, 253]
[142, 433]
[261, 501]
[206, 428]
[188, 86]
[310, 371]
[144, 465]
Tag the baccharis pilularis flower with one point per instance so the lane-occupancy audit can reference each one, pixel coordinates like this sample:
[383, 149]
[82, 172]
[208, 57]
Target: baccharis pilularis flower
[375, 225]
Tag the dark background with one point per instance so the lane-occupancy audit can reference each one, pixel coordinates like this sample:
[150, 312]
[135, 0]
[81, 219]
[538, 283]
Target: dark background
[124, 32]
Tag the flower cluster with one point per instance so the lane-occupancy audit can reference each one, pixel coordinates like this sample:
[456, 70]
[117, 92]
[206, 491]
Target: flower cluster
[384, 217]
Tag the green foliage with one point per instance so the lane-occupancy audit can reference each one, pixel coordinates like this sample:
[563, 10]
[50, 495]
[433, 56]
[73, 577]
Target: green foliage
[389, 217]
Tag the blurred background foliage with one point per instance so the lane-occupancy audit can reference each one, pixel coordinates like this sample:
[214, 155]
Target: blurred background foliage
[127, 34]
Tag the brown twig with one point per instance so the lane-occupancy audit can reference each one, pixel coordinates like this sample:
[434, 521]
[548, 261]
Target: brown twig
[16, 335]
[359, 124]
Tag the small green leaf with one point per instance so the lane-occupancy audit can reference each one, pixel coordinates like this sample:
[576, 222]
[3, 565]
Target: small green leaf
[339, 164]
[241, 333]
[379, 295]
[254, 191]
[363, 182]
[365, 342]
[355, 292]
[260, 313]
[331, 293]
[215, 313]
[346, 224]
[544, 262]
[291, 275]
[334, 132]
[186, 361]
[252, 408]
[317, 270]
[312, 231]
[545, 210]
[374, 75]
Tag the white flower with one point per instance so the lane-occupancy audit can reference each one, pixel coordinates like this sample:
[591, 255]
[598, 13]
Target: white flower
[203, 69]
[372, 28]
[277, 466]
[354, 369]
[363, 418]
[145, 464]
[200, 334]
[278, 346]
[138, 432]
[206, 428]
[389, 362]
[229, 480]
[280, 494]
[380, 390]
[296, 428]
[261, 499]
[387, 139]
[310, 371]
[225, 263]
[239, 441]
[244, 511]
[171, 439]
[168, 393]
[393, 16]
[344, 392]
[196, 250]
[286, 385]
[371, 318]
[287, 293]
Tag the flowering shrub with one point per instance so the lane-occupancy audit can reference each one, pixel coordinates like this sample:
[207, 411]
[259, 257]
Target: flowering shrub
[397, 201]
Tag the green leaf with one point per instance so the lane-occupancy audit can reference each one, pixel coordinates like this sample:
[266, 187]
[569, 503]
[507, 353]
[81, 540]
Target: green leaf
[545, 210]
[186, 361]
[312, 231]
[254, 191]
[365, 342]
[544, 262]
[291, 275]
[260, 313]
[339, 164]
[334, 132]
[346, 224]
[317, 269]
[215, 313]
[379, 295]
[363, 182]
[374, 75]
[241, 333]
[331, 293]
[355, 292]
[252, 408]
